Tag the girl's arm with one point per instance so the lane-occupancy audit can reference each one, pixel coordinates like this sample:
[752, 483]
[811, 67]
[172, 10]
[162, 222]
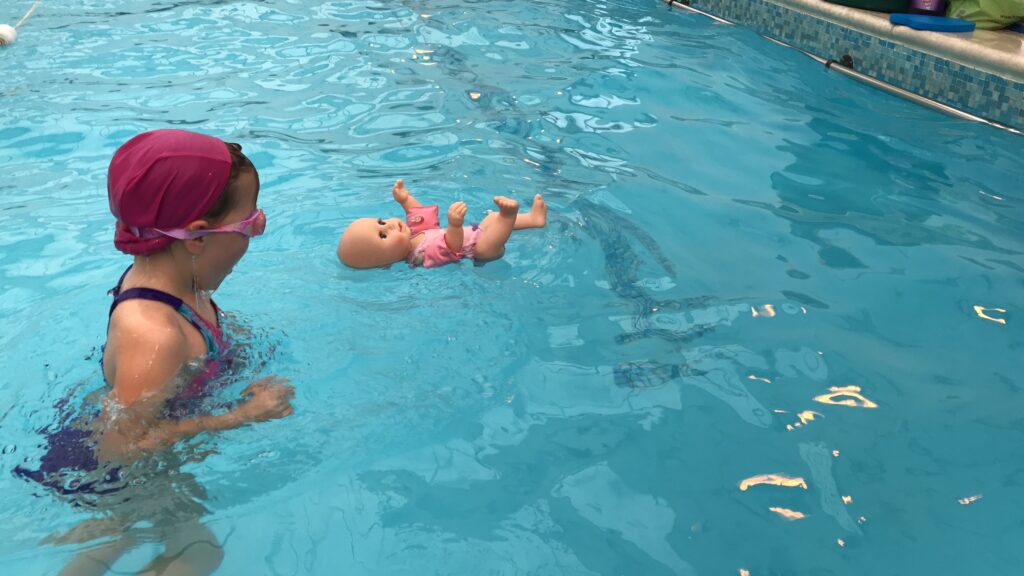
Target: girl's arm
[402, 196]
[453, 235]
[268, 399]
[147, 373]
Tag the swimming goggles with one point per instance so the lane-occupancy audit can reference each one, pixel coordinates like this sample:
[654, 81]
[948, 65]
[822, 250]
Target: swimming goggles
[254, 225]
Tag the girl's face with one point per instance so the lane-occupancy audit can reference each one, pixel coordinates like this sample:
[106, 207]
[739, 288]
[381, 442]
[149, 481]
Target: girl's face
[223, 251]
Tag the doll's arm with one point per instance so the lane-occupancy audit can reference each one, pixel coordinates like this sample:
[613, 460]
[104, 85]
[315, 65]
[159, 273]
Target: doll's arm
[402, 196]
[453, 235]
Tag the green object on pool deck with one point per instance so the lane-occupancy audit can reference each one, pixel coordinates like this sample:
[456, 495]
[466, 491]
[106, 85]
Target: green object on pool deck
[876, 5]
[988, 14]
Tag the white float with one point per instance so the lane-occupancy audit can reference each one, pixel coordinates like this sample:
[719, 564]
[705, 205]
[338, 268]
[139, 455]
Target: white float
[7, 34]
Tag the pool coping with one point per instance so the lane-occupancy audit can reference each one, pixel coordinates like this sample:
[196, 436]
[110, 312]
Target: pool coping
[987, 50]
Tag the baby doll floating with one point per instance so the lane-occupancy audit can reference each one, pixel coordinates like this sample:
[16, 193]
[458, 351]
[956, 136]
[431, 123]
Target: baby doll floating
[420, 240]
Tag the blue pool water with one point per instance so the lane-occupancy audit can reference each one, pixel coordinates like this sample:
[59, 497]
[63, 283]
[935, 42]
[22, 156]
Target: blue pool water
[752, 267]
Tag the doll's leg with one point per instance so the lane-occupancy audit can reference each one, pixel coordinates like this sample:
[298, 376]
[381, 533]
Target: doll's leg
[537, 217]
[497, 227]
[402, 195]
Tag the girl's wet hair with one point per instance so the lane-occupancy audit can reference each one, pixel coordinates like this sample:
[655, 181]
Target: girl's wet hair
[226, 201]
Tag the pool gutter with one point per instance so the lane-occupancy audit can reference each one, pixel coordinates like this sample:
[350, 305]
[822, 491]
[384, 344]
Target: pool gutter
[845, 70]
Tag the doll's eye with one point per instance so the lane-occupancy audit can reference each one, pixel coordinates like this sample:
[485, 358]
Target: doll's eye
[381, 222]
[383, 236]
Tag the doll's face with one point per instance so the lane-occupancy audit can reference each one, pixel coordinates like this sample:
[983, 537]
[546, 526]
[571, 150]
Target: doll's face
[374, 242]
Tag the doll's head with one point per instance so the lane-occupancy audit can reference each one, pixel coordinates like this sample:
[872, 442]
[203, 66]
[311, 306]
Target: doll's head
[374, 242]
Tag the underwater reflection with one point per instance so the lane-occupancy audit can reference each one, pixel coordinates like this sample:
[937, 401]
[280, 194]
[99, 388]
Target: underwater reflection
[868, 184]
[787, 513]
[773, 480]
[983, 313]
[847, 396]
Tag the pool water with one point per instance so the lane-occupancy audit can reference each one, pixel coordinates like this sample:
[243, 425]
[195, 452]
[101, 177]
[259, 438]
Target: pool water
[772, 327]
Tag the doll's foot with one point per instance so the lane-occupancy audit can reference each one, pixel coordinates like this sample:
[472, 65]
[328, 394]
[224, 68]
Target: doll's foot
[400, 192]
[507, 207]
[538, 214]
[537, 217]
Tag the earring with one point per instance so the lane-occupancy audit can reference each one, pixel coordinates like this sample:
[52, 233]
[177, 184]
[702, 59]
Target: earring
[195, 281]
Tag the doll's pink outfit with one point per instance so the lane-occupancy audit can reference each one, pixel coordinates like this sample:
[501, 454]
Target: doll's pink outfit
[433, 251]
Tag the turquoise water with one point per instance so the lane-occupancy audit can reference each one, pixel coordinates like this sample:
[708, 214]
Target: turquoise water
[737, 238]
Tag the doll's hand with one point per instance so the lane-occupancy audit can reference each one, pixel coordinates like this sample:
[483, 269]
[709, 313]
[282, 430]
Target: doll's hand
[457, 214]
[400, 192]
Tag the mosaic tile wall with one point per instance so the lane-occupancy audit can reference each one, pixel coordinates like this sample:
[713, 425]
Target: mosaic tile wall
[963, 87]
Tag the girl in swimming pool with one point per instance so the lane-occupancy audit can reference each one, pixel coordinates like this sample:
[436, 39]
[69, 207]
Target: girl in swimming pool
[377, 242]
[186, 208]
[185, 205]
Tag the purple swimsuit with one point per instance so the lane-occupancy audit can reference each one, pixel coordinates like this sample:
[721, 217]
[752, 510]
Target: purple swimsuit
[189, 398]
[70, 450]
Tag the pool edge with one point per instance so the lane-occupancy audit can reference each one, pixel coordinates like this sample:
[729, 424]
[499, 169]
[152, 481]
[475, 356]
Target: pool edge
[888, 62]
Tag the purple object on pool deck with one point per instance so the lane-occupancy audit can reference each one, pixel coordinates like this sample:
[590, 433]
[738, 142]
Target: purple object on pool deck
[933, 23]
[931, 7]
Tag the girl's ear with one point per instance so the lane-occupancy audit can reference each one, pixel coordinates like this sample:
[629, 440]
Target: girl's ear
[195, 246]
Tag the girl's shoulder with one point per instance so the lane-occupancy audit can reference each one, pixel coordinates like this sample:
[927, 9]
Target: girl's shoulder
[146, 318]
[146, 348]
[146, 327]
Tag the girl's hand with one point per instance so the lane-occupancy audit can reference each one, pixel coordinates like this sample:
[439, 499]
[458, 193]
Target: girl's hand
[268, 399]
[400, 192]
[457, 214]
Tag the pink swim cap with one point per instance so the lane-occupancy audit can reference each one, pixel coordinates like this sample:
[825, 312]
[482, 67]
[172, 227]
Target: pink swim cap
[163, 179]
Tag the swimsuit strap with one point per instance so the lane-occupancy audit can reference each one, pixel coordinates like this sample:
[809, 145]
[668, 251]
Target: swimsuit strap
[208, 331]
[145, 294]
